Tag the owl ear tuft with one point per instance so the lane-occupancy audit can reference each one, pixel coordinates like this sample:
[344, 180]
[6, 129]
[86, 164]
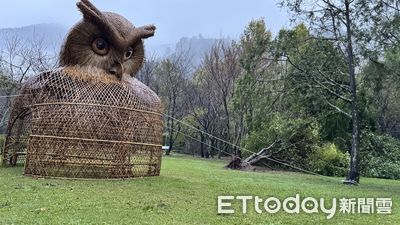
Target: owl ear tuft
[146, 31]
[142, 32]
[89, 11]
[95, 16]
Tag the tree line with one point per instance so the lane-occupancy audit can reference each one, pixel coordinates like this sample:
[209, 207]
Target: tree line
[324, 92]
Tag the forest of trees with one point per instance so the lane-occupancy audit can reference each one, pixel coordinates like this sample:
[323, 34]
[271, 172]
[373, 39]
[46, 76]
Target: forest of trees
[325, 92]
[322, 96]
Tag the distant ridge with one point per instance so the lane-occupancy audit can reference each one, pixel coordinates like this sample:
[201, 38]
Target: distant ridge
[53, 35]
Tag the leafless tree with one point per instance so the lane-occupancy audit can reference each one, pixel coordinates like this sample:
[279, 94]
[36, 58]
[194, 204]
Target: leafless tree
[203, 110]
[19, 59]
[221, 70]
[172, 74]
[147, 73]
[208, 95]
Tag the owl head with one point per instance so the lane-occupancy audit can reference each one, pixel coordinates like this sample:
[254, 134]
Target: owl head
[105, 40]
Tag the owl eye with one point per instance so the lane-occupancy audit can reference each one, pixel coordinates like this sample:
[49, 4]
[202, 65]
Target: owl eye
[100, 46]
[129, 53]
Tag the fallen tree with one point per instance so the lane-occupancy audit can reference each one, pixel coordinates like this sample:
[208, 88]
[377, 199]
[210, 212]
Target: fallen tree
[245, 164]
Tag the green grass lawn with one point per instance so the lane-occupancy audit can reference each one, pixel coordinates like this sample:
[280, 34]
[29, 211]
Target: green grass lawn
[185, 193]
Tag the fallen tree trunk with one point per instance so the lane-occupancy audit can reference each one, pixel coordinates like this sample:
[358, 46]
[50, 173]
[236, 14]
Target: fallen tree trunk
[239, 164]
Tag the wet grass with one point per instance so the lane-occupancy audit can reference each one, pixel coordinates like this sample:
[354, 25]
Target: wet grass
[185, 193]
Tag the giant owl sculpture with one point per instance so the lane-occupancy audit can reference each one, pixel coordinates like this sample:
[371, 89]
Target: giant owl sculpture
[90, 118]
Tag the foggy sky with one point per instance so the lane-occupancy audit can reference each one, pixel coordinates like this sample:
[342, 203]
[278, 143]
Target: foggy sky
[173, 18]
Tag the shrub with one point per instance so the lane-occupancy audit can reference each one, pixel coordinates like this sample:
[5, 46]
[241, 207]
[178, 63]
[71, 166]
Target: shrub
[379, 156]
[330, 161]
[298, 138]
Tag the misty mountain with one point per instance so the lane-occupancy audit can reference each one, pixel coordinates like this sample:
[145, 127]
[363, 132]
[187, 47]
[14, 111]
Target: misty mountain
[195, 47]
[52, 36]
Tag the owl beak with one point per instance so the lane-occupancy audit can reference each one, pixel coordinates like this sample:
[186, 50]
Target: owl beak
[116, 70]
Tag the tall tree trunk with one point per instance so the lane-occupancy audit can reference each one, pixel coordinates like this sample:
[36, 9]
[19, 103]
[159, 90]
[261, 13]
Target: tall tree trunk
[170, 141]
[212, 150]
[202, 145]
[206, 153]
[353, 176]
[239, 132]
[227, 124]
[170, 133]
[219, 146]
[171, 123]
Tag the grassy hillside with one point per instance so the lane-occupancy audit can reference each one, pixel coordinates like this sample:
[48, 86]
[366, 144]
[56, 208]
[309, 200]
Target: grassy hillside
[185, 193]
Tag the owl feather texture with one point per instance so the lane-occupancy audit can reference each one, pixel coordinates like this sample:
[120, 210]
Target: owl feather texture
[105, 40]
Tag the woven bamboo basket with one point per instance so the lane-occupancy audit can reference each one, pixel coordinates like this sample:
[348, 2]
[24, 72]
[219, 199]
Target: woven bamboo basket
[81, 123]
